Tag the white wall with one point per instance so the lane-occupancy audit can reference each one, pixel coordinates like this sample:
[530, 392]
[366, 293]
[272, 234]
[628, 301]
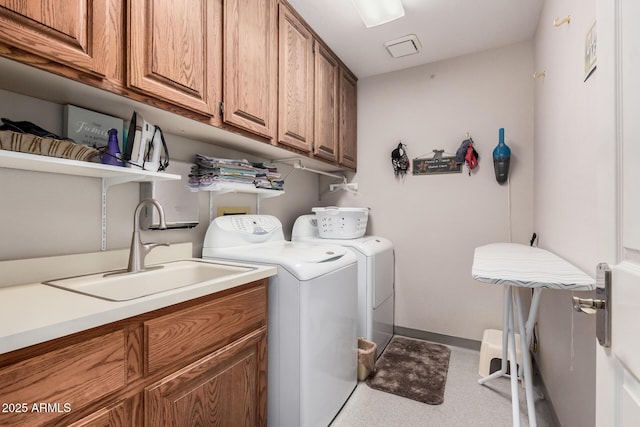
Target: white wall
[45, 214]
[437, 221]
[565, 202]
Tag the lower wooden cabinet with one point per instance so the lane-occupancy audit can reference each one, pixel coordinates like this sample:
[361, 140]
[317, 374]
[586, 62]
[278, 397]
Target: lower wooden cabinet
[41, 388]
[119, 414]
[101, 377]
[225, 388]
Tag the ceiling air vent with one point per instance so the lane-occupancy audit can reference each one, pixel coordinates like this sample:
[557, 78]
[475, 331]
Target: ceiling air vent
[407, 45]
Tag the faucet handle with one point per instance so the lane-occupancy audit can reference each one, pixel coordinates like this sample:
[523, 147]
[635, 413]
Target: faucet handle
[149, 246]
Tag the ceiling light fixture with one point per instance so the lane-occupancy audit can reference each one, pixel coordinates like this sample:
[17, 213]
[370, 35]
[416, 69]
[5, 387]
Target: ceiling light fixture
[378, 12]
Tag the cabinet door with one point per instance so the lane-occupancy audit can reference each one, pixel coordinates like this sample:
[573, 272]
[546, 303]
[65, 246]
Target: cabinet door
[295, 69]
[348, 119]
[172, 51]
[116, 415]
[70, 32]
[326, 108]
[66, 379]
[250, 68]
[226, 388]
[184, 336]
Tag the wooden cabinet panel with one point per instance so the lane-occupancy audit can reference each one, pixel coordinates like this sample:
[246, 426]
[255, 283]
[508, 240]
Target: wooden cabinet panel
[183, 336]
[114, 416]
[295, 69]
[250, 68]
[348, 120]
[226, 388]
[67, 379]
[326, 104]
[208, 359]
[71, 32]
[172, 51]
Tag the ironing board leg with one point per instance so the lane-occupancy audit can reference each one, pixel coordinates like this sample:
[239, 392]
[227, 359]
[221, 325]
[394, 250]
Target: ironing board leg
[526, 362]
[506, 315]
[533, 314]
[511, 297]
[515, 402]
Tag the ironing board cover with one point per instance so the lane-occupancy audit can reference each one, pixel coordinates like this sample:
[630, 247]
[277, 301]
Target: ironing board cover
[521, 265]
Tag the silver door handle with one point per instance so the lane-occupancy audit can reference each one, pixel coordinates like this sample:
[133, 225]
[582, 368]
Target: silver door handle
[588, 305]
[600, 306]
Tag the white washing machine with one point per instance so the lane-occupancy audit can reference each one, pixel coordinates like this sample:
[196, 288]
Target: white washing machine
[312, 322]
[375, 278]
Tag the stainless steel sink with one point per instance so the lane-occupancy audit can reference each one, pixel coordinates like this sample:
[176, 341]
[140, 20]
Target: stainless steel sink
[123, 286]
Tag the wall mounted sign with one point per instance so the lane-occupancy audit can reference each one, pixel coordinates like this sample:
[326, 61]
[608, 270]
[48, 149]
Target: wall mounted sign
[438, 164]
[88, 127]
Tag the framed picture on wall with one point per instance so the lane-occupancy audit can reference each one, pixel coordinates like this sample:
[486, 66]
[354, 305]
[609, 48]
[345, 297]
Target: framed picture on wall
[438, 164]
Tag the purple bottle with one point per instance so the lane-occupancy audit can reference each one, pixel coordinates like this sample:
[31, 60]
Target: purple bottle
[112, 156]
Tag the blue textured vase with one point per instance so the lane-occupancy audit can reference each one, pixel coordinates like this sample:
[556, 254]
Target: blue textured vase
[501, 158]
[112, 156]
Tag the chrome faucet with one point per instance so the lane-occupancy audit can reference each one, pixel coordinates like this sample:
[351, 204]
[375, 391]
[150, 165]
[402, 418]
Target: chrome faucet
[140, 250]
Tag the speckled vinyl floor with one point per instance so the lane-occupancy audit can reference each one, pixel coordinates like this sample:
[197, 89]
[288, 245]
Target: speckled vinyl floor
[466, 403]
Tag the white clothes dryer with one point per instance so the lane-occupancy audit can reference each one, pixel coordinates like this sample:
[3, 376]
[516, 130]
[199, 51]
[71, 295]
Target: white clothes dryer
[376, 278]
[312, 323]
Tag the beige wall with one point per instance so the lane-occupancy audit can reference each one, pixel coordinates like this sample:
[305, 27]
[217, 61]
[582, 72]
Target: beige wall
[565, 202]
[437, 221]
[46, 214]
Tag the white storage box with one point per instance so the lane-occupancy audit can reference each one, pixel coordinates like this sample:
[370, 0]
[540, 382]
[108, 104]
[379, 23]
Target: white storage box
[341, 223]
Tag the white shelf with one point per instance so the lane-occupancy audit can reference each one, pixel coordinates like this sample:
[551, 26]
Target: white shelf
[110, 175]
[228, 187]
[37, 163]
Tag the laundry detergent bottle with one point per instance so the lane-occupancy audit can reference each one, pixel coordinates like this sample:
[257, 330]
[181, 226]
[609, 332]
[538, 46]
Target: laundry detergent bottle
[112, 156]
[501, 159]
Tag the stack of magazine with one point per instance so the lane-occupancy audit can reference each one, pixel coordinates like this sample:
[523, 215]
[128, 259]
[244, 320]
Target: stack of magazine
[211, 171]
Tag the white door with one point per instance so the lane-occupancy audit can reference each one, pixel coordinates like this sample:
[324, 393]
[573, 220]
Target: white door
[618, 74]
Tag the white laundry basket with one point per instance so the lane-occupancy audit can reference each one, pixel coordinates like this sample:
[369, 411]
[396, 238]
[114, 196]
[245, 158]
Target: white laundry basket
[341, 223]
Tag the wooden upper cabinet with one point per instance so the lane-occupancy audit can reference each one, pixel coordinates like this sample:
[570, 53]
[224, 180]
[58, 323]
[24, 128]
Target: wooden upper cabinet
[295, 69]
[172, 51]
[76, 33]
[348, 120]
[326, 104]
[250, 67]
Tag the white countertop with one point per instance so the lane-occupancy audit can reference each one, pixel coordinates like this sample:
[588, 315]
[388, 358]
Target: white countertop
[520, 265]
[33, 313]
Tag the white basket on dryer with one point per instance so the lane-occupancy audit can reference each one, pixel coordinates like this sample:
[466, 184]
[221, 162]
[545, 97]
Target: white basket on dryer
[341, 223]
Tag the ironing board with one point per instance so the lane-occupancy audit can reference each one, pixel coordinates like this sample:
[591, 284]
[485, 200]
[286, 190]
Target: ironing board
[514, 265]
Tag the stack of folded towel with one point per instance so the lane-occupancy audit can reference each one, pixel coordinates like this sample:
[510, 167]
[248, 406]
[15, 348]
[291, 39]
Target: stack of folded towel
[33, 144]
[267, 176]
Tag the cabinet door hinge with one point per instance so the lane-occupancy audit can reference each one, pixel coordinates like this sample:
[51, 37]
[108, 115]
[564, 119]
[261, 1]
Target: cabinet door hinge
[313, 47]
[221, 109]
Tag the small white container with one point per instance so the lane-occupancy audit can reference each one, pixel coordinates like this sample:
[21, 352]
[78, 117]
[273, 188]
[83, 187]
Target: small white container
[341, 223]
